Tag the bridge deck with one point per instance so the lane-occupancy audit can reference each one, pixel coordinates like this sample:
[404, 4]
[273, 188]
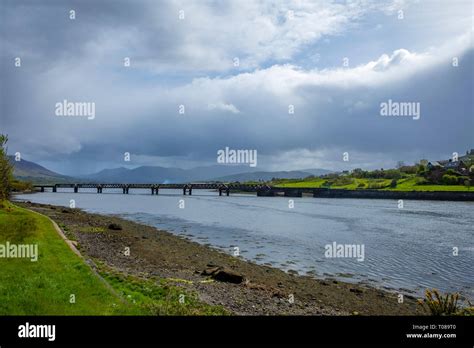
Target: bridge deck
[269, 191]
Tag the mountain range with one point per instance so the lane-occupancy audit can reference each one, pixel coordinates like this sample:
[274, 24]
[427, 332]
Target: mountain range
[30, 171]
[26, 170]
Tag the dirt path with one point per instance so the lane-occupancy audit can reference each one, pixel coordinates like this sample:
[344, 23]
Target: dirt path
[265, 291]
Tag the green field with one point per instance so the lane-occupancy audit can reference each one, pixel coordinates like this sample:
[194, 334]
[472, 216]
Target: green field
[45, 287]
[406, 184]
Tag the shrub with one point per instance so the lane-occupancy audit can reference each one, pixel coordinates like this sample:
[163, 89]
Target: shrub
[449, 179]
[327, 183]
[6, 169]
[19, 186]
[439, 304]
[393, 183]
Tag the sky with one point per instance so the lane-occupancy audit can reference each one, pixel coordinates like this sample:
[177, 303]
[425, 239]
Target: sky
[236, 68]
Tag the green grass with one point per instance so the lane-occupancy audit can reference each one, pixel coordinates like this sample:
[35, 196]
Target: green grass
[306, 184]
[352, 185]
[44, 287]
[407, 184]
[410, 184]
[158, 297]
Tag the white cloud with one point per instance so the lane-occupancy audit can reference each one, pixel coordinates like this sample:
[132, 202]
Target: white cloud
[223, 107]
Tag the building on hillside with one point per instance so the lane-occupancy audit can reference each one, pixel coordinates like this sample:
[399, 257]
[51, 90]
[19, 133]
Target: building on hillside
[459, 166]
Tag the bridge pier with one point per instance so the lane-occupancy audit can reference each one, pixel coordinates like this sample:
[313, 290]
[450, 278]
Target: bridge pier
[293, 193]
[54, 188]
[265, 193]
[222, 189]
[188, 188]
[99, 189]
[42, 188]
[76, 188]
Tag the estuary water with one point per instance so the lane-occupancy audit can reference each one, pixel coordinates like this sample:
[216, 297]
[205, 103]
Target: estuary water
[406, 249]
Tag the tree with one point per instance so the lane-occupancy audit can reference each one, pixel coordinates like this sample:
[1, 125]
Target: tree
[6, 169]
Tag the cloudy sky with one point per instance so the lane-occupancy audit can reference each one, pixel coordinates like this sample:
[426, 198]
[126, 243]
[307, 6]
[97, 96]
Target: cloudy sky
[236, 67]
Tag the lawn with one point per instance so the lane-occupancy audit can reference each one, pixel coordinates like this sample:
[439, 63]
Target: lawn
[45, 287]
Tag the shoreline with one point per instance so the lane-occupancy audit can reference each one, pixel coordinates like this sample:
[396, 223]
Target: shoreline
[298, 192]
[157, 254]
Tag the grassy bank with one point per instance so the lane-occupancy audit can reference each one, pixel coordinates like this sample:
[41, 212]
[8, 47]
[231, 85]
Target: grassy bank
[405, 184]
[60, 282]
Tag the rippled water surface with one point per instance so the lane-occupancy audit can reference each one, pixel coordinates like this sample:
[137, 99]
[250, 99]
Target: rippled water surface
[409, 248]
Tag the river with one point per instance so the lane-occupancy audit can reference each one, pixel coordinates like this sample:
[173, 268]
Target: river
[409, 248]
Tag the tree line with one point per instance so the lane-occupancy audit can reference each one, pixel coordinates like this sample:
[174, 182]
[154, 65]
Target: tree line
[6, 169]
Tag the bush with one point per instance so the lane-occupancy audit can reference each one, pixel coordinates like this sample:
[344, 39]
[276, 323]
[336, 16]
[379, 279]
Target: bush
[327, 183]
[19, 186]
[449, 179]
[439, 305]
[393, 183]
[6, 169]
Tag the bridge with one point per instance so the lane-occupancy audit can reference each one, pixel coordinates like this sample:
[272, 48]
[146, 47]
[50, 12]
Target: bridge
[155, 188]
[270, 191]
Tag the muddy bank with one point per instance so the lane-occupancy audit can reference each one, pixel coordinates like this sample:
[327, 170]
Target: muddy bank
[264, 290]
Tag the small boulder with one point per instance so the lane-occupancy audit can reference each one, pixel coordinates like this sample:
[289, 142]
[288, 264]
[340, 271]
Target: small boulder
[224, 274]
[115, 227]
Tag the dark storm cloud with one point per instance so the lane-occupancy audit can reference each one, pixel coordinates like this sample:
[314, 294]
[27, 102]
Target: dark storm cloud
[137, 108]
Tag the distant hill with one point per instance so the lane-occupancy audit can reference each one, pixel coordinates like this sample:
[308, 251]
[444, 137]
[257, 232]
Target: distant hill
[30, 171]
[152, 174]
